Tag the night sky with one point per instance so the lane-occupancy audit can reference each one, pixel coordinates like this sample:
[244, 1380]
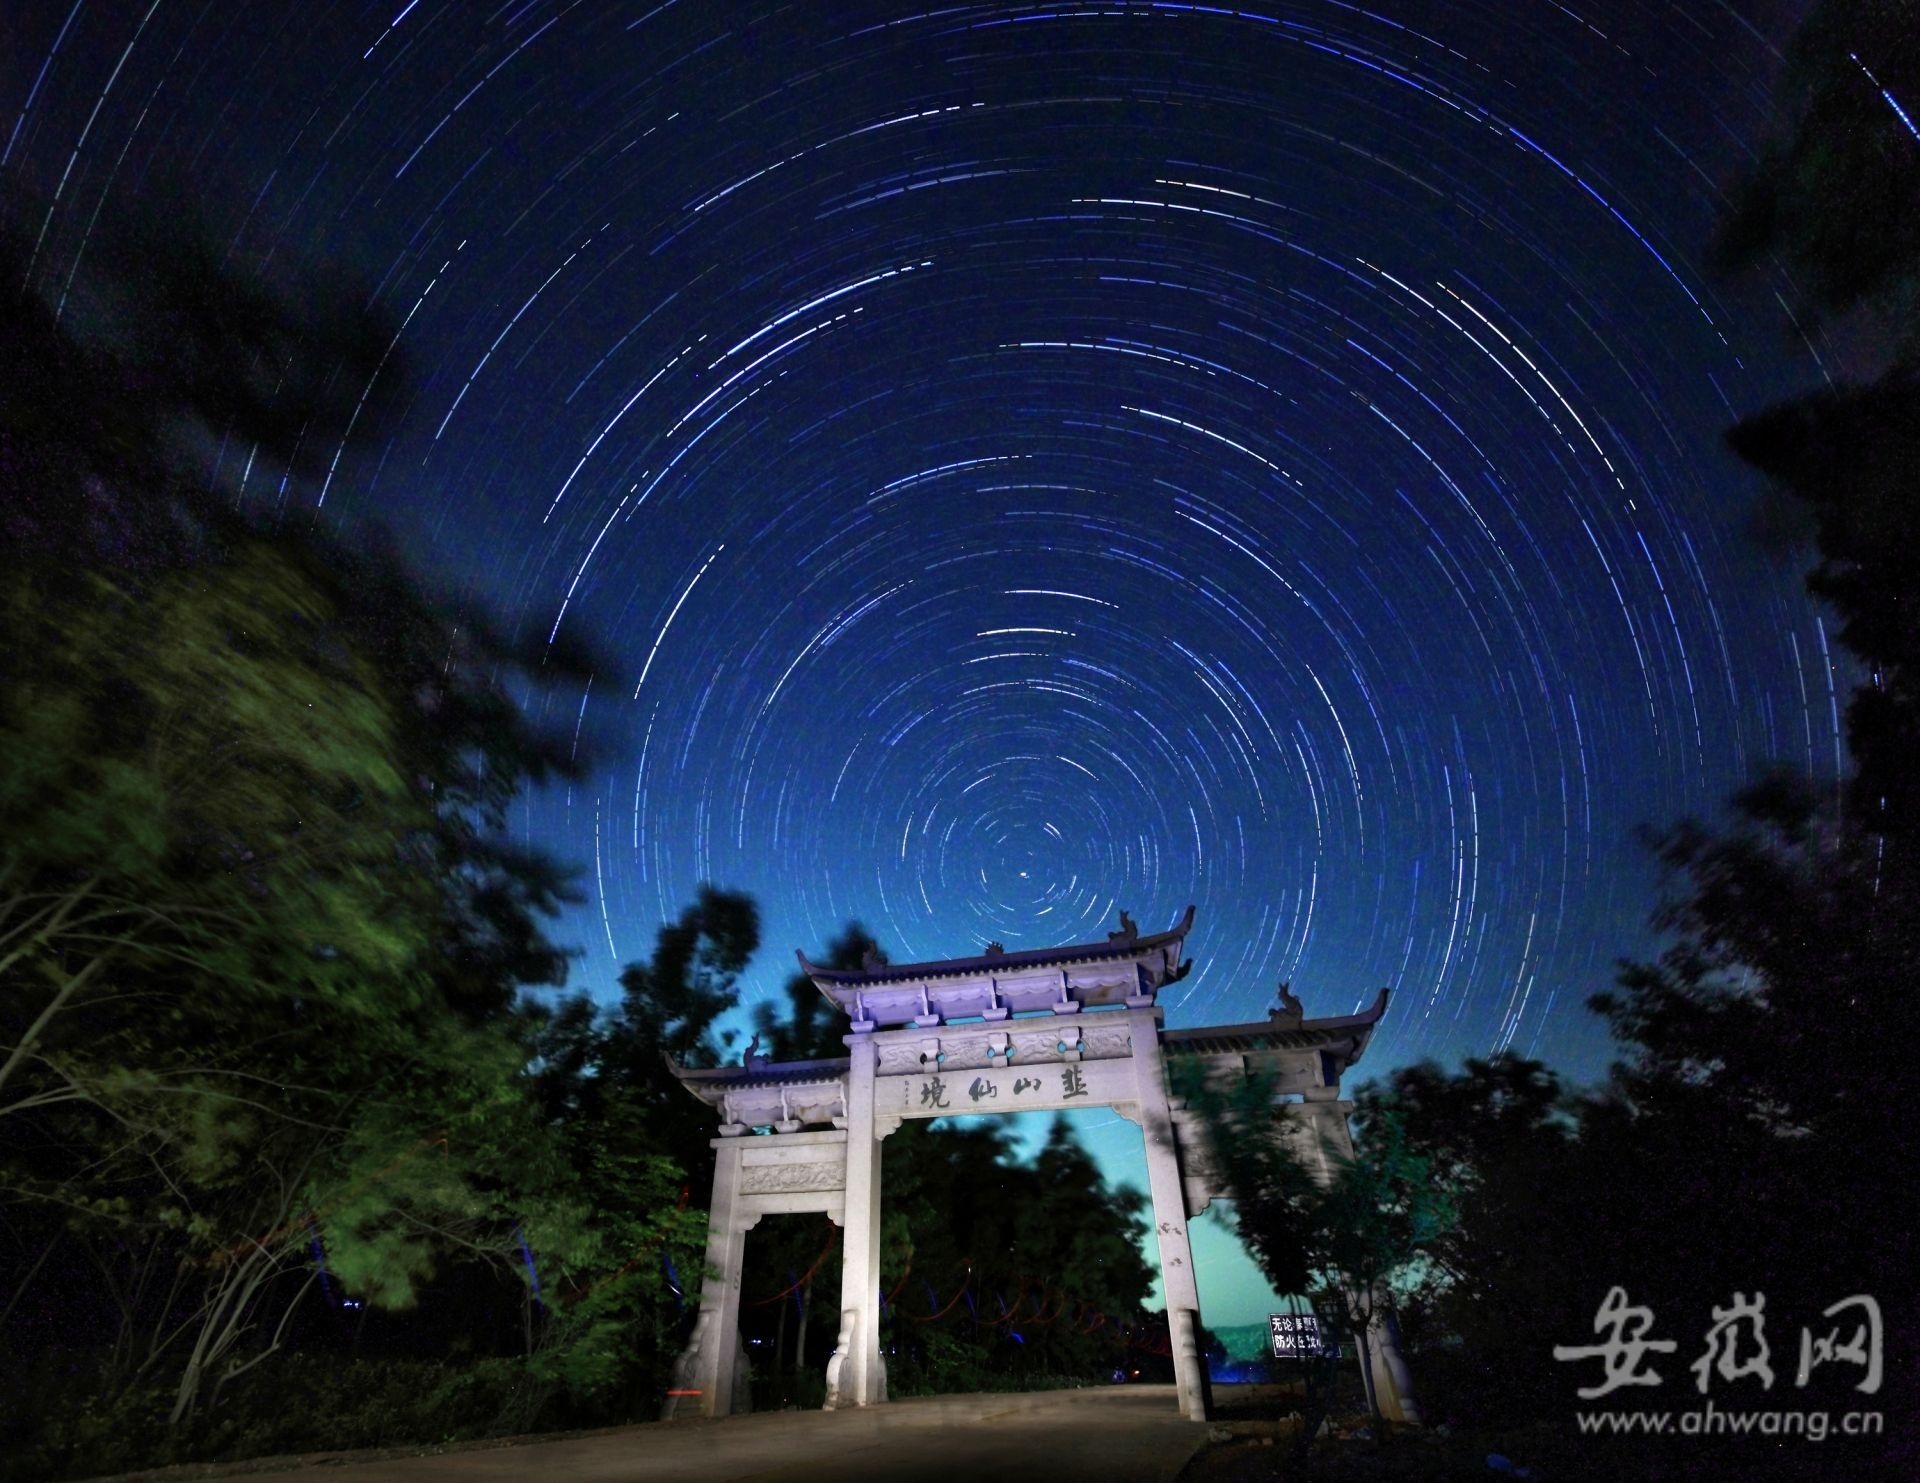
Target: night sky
[1037, 459]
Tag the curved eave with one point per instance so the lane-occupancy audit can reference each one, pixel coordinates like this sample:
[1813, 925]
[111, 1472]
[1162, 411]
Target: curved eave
[1352, 1030]
[1041, 957]
[708, 1084]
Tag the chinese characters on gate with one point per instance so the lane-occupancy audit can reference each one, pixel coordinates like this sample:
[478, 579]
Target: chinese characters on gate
[1735, 1347]
[1073, 1085]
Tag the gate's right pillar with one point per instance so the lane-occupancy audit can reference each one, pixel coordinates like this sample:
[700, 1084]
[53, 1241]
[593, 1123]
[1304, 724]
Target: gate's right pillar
[1169, 1213]
[1387, 1375]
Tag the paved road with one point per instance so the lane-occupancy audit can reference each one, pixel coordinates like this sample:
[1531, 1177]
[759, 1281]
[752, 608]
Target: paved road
[1126, 1434]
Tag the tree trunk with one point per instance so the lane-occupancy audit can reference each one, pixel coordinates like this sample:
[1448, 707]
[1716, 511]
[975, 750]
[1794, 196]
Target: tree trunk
[69, 989]
[1361, 1323]
[27, 1281]
[224, 1321]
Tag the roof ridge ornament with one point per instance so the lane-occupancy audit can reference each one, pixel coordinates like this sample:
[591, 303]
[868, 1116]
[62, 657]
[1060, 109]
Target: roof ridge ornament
[1129, 929]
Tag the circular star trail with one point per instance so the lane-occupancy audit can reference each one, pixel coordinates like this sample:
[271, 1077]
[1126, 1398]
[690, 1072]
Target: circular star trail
[1035, 459]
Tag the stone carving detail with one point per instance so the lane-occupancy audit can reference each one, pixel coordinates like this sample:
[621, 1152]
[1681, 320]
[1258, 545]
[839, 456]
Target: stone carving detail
[775, 1179]
[983, 1047]
[1099, 1043]
[836, 1363]
[1032, 1046]
[686, 1368]
[964, 1053]
[785, 1107]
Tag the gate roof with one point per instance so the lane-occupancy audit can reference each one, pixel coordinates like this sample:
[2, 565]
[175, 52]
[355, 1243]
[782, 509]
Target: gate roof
[1126, 967]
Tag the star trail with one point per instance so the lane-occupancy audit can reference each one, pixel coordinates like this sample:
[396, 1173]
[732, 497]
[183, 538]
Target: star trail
[1035, 459]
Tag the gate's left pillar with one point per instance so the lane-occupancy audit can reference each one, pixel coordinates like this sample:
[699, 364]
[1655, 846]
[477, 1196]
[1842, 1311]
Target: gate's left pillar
[717, 1329]
[857, 1375]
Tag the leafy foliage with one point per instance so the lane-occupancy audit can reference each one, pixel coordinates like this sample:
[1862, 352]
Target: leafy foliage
[1337, 1227]
[264, 939]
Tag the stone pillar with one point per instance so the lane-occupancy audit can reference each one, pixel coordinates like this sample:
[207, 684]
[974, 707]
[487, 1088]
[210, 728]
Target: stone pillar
[1169, 1213]
[1392, 1384]
[1332, 1140]
[857, 1375]
[708, 1365]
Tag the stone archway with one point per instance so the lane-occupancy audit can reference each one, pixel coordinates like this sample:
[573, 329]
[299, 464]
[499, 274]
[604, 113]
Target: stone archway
[1050, 1029]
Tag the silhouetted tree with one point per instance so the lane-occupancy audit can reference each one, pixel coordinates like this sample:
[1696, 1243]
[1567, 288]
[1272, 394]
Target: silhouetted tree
[1778, 1025]
[812, 1028]
[161, 363]
[669, 1007]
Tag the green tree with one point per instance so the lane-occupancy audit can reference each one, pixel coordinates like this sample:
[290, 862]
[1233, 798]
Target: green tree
[252, 950]
[1547, 1194]
[1001, 1270]
[1076, 1245]
[262, 931]
[1336, 1228]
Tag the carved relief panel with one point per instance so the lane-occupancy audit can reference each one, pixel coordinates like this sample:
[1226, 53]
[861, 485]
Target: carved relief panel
[773, 1179]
